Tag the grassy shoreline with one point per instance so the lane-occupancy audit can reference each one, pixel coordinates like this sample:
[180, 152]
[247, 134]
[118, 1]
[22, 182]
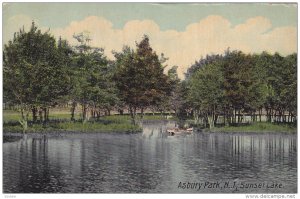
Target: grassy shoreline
[88, 127]
[107, 124]
[60, 122]
[259, 127]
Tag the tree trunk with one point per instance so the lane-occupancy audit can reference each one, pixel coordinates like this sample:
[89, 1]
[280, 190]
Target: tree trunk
[34, 114]
[243, 118]
[73, 108]
[142, 113]
[229, 117]
[216, 119]
[260, 113]
[210, 122]
[224, 116]
[40, 115]
[271, 114]
[97, 113]
[84, 113]
[45, 114]
[108, 111]
[196, 117]
[24, 120]
[214, 115]
[211, 118]
[234, 116]
[93, 112]
[268, 114]
[279, 116]
[132, 111]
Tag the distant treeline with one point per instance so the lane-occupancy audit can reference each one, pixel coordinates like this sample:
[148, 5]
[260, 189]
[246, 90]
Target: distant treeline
[40, 72]
[235, 84]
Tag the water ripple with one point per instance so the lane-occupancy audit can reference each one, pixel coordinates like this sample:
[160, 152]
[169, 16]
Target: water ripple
[149, 162]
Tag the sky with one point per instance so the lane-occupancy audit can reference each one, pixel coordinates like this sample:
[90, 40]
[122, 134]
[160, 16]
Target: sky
[184, 32]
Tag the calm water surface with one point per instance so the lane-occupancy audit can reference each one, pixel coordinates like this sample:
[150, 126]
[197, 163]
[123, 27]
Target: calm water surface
[150, 162]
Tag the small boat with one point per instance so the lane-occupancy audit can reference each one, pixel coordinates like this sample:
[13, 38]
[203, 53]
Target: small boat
[190, 130]
[177, 131]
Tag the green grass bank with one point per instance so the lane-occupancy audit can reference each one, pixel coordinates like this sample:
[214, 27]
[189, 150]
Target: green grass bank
[258, 127]
[60, 121]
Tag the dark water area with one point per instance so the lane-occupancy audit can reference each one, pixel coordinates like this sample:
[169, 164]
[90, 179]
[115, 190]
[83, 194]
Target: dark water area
[150, 162]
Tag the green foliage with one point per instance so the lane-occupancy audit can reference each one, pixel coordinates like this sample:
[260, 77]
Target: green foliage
[34, 71]
[237, 84]
[92, 81]
[280, 80]
[139, 77]
[40, 73]
[289, 94]
[239, 79]
[205, 91]
[206, 87]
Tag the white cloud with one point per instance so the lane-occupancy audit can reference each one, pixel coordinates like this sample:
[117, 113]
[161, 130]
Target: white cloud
[214, 34]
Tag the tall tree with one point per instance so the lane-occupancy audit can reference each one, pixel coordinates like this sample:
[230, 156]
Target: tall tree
[250, 83]
[175, 99]
[238, 80]
[33, 73]
[290, 94]
[205, 92]
[92, 79]
[139, 77]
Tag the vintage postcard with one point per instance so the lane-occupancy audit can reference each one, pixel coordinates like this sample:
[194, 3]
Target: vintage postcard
[187, 98]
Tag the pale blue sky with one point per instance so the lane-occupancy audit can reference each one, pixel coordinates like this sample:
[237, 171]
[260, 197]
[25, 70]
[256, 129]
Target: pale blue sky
[168, 16]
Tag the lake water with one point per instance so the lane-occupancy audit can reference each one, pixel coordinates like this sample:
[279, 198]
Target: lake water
[151, 162]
